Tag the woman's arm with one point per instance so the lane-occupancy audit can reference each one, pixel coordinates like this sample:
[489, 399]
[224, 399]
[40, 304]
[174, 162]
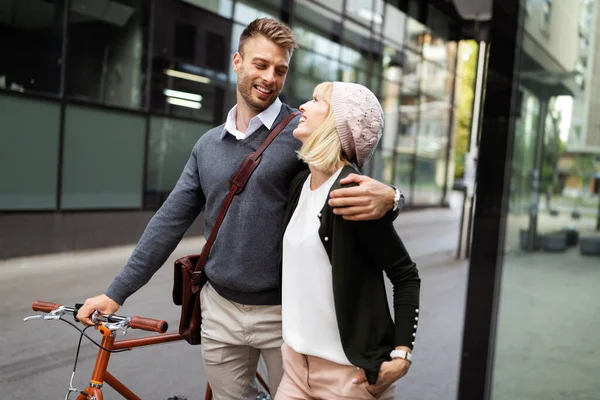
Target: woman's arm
[381, 243]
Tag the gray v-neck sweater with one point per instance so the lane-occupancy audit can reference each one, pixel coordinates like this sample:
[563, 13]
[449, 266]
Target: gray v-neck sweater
[243, 265]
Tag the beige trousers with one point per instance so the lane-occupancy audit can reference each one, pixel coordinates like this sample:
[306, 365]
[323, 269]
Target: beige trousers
[308, 378]
[233, 337]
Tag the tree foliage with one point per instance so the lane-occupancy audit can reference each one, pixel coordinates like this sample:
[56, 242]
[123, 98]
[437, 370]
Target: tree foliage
[466, 92]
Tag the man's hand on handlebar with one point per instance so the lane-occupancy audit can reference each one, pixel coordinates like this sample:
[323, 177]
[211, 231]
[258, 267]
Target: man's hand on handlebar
[101, 303]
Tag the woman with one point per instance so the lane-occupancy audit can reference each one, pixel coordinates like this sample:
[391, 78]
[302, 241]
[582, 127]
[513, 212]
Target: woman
[340, 340]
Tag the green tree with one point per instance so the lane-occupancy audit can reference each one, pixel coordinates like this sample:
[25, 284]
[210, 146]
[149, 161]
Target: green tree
[466, 91]
[583, 168]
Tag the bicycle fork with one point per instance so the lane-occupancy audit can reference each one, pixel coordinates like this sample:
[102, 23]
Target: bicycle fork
[101, 375]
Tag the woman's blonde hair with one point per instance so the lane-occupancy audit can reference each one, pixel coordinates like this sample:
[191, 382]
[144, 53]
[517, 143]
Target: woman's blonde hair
[323, 148]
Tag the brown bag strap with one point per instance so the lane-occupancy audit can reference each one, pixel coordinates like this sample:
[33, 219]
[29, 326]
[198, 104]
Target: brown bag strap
[237, 184]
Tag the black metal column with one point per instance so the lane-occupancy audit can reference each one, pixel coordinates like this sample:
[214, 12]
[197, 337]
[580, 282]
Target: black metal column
[493, 180]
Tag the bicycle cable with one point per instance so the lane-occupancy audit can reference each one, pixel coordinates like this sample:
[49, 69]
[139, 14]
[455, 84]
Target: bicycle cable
[82, 331]
[90, 339]
[71, 388]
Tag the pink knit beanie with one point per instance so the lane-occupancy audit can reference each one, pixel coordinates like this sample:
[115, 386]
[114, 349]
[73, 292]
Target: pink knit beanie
[358, 119]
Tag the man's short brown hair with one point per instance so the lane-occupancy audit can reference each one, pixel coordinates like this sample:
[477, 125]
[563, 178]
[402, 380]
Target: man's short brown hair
[273, 30]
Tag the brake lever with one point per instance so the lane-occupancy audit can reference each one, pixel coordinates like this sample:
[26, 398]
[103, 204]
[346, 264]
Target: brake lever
[52, 315]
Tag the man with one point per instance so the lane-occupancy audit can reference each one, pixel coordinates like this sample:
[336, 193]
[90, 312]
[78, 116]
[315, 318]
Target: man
[241, 304]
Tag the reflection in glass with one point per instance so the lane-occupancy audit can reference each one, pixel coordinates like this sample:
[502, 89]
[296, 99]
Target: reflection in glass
[334, 5]
[356, 36]
[403, 165]
[415, 33]
[436, 81]
[306, 38]
[393, 62]
[431, 147]
[171, 142]
[354, 58]
[310, 69]
[395, 24]
[318, 19]
[412, 71]
[31, 41]
[523, 149]
[439, 51]
[221, 7]
[247, 11]
[190, 63]
[106, 59]
[362, 11]
[546, 337]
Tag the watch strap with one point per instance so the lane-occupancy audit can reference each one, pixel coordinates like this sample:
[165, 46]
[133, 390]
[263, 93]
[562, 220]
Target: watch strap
[402, 354]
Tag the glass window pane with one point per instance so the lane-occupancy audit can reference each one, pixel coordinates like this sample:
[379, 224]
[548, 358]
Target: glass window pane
[319, 44]
[310, 69]
[431, 150]
[549, 273]
[318, 19]
[409, 122]
[357, 36]
[221, 7]
[353, 58]
[191, 63]
[107, 52]
[362, 11]
[439, 51]
[393, 61]
[350, 74]
[411, 71]
[31, 42]
[171, 142]
[29, 133]
[395, 23]
[334, 5]
[103, 159]
[436, 81]
[378, 17]
[415, 32]
[247, 11]
[402, 164]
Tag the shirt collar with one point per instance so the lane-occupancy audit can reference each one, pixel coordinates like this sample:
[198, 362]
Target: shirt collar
[267, 117]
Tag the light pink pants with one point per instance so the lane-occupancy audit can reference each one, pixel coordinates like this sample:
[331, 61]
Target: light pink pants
[308, 378]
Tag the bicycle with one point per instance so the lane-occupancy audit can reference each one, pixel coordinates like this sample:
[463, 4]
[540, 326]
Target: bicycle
[108, 326]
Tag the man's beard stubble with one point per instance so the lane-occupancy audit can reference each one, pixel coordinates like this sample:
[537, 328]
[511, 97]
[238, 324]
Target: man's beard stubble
[245, 86]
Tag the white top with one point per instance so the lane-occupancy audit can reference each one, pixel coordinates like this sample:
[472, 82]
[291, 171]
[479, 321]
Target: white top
[266, 118]
[308, 311]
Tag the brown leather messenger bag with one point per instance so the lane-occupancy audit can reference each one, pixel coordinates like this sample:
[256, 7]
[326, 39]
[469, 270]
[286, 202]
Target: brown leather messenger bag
[189, 271]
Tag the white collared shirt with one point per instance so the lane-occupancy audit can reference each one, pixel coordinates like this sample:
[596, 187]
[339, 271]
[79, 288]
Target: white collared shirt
[266, 118]
[309, 322]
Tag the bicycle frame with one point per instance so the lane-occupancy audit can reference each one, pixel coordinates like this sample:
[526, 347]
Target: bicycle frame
[100, 375]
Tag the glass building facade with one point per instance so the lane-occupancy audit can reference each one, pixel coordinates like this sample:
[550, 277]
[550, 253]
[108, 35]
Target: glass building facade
[102, 101]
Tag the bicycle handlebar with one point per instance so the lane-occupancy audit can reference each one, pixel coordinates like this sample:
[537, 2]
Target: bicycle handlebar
[44, 306]
[146, 324]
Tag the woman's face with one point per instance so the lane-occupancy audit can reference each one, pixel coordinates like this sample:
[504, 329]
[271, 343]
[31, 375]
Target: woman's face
[314, 112]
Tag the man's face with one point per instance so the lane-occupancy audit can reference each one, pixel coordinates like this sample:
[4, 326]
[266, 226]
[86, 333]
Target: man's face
[261, 71]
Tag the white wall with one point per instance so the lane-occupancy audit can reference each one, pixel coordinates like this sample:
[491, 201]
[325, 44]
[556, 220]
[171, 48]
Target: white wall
[559, 39]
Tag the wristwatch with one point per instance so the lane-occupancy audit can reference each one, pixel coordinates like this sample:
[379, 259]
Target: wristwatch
[401, 354]
[397, 196]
